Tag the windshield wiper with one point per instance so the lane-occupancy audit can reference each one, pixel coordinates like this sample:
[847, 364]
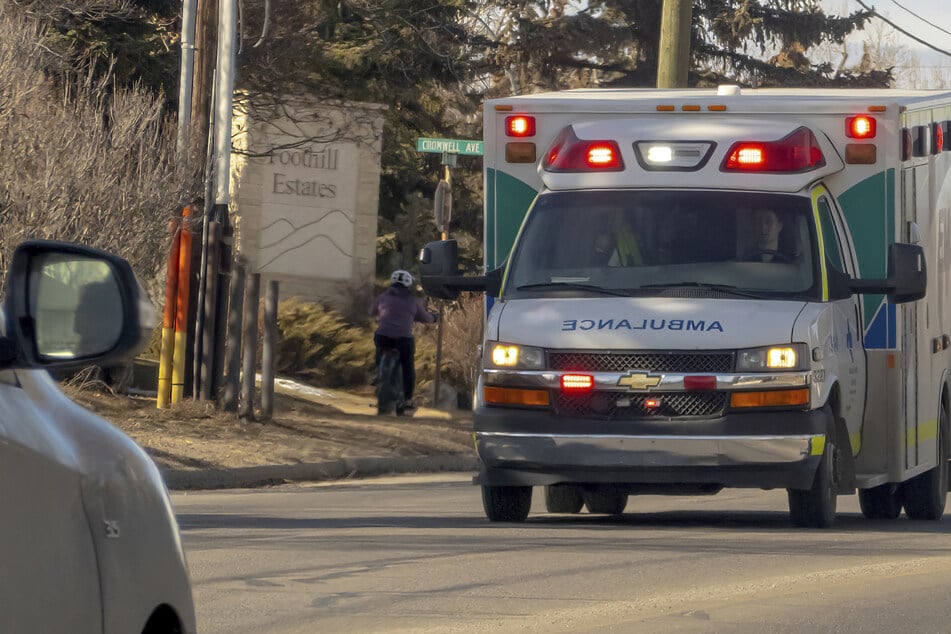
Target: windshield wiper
[723, 288]
[571, 286]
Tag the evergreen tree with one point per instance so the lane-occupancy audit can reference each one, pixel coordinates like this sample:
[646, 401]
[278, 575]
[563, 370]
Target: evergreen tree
[131, 42]
[551, 44]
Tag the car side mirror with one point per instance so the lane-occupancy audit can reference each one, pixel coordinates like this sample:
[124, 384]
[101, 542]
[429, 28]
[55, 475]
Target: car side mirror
[70, 305]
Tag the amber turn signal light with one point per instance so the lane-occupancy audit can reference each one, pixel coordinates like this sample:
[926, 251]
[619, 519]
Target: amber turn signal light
[514, 396]
[772, 398]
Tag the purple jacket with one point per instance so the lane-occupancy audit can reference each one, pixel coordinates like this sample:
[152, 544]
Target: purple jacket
[396, 309]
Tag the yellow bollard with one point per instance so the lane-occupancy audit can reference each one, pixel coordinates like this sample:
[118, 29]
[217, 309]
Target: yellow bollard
[181, 313]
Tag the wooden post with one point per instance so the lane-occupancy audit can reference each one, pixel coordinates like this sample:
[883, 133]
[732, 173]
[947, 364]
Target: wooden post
[210, 313]
[673, 60]
[232, 361]
[252, 296]
[206, 29]
[268, 357]
[226, 264]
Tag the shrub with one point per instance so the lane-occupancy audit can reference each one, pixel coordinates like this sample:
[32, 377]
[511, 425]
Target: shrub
[81, 160]
[321, 347]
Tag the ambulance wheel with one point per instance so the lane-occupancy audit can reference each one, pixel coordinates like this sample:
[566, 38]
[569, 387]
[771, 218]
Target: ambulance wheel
[881, 502]
[605, 501]
[815, 507]
[924, 495]
[506, 504]
[563, 498]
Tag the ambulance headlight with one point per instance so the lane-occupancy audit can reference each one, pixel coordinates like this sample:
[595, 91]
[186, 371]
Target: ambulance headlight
[790, 356]
[511, 356]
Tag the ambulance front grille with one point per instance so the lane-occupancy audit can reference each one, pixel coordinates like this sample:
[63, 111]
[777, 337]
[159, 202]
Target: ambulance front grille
[621, 405]
[680, 362]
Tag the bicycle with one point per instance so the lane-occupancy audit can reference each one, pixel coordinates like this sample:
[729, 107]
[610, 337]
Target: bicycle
[389, 383]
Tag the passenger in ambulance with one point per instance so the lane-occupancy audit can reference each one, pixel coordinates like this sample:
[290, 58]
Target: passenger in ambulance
[615, 245]
[627, 252]
[603, 249]
[767, 227]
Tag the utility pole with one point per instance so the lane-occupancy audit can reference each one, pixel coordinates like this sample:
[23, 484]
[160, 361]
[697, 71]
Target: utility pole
[204, 71]
[674, 50]
[185, 82]
[216, 246]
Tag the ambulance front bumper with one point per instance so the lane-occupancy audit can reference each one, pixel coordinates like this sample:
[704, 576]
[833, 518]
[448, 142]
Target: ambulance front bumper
[751, 450]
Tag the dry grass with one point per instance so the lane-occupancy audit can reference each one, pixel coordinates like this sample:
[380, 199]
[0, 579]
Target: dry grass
[81, 161]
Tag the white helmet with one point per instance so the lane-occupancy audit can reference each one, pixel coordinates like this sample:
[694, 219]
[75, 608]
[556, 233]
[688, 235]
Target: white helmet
[401, 277]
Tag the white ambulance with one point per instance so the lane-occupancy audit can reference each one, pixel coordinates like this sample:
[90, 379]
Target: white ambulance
[698, 289]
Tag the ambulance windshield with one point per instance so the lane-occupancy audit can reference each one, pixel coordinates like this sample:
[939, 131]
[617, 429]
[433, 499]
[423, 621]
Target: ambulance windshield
[734, 244]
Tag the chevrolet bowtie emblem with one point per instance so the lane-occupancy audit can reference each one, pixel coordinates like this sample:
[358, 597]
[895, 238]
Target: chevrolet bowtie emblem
[639, 381]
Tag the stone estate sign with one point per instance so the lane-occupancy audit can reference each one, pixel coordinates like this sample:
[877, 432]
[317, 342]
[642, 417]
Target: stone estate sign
[305, 187]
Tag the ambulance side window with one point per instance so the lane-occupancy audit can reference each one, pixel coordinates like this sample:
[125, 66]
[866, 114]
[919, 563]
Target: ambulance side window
[829, 238]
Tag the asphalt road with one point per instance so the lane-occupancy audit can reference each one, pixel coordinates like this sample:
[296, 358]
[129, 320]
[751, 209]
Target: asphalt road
[416, 554]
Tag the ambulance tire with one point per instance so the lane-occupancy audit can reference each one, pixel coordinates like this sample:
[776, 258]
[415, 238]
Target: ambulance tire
[881, 502]
[506, 504]
[605, 501]
[563, 498]
[815, 507]
[924, 496]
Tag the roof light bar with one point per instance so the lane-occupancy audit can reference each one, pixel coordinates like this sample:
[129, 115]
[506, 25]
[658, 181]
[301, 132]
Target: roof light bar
[568, 153]
[797, 152]
[673, 156]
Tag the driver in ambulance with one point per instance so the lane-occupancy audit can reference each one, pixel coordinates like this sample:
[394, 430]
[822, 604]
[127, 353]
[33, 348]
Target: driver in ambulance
[766, 228]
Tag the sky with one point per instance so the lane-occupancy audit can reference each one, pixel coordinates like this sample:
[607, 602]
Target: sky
[932, 25]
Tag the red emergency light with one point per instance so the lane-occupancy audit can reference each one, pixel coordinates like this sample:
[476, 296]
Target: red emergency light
[520, 126]
[860, 127]
[568, 153]
[797, 152]
[577, 383]
[937, 138]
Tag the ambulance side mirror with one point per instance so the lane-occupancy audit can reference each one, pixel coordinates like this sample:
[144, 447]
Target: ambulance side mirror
[441, 278]
[906, 271]
[907, 275]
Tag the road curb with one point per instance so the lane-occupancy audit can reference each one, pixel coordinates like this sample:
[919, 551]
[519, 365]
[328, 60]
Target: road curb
[344, 468]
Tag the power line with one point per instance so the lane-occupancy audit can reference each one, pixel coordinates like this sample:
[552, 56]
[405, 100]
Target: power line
[901, 30]
[925, 20]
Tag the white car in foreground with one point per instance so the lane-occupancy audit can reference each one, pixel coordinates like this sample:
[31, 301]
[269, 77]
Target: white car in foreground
[88, 539]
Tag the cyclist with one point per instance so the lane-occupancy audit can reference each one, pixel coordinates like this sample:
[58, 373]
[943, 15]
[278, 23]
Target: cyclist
[395, 310]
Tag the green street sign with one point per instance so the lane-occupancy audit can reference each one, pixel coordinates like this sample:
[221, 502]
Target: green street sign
[449, 146]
